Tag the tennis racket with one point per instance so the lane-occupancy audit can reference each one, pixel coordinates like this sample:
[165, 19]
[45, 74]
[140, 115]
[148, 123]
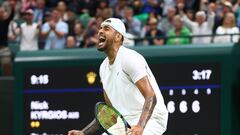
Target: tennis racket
[110, 119]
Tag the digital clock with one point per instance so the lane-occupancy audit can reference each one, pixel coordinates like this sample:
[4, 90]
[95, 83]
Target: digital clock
[39, 80]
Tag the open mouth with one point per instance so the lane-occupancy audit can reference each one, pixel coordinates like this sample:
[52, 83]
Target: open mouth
[101, 39]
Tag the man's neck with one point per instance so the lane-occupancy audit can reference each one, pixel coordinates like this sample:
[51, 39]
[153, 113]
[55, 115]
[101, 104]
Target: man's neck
[112, 54]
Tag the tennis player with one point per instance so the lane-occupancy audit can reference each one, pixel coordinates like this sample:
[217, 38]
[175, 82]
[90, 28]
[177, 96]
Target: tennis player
[128, 84]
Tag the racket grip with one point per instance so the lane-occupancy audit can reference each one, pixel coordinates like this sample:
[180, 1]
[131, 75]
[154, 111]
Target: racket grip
[128, 125]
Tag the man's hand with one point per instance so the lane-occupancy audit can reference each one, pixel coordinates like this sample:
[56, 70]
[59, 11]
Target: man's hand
[136, 130]
[52, 24]
[75, 132]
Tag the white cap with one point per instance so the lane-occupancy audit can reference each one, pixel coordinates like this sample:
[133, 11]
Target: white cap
[116, 24]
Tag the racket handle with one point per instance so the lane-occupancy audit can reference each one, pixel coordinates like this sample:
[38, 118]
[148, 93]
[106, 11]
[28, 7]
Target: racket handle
[128, 125]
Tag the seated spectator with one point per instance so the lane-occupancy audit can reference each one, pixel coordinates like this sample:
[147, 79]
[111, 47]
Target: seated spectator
[79, 34]
[119, 8]
[166, 23]
[200, 26]
[91, 37]
[228, 27]
[29, 32]
[179, 30]
[153, 35]
[104, 9]
[133, 25]
[54, 31]
[137, 6]
[71, 42]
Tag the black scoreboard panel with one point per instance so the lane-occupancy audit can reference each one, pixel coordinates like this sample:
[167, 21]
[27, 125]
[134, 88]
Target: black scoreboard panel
[57, 99]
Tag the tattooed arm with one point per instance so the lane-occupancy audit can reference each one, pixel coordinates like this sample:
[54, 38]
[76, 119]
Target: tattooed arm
[93, 127]
[90, 129]
[150, 101]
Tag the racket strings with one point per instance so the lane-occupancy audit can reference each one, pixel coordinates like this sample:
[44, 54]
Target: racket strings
[111, 120]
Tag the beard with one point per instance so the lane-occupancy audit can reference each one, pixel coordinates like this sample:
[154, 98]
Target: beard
[107, 44]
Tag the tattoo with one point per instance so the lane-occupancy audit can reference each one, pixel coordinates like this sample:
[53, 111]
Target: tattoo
[148, 107]
[91, 128]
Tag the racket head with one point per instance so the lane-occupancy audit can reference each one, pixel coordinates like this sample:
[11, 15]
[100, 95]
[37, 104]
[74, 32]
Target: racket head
[110, 119]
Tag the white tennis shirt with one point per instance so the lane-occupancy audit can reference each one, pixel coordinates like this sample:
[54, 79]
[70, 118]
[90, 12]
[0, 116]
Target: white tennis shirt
[119, 81]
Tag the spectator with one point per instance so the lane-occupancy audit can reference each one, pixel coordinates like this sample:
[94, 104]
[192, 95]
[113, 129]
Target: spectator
[71, 21]
[104, 10]
[71, 42]
[119, 8]
[91, 37]
[137, 6]
[166, 23]
[79, 34]
[12, 31]
[62, 8]
[178, 30]
[27, 4]
[133, 25]
[228, 27]
[222, 9]
[16, 4]
[166, 5]
[200, 26]
[55, 32]
[104, 13]
[5, 53]
[153, 35]
[29, 32]
[236, 10]
[190, 14]
[39, 11]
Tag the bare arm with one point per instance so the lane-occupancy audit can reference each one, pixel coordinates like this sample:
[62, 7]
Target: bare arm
[150, 101]
[107, 100]
[52, 26]
[45, 34]
[58, 33]
[90, 129]
[93, 127]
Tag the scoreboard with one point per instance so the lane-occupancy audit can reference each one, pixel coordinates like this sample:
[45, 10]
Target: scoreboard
[55, 94]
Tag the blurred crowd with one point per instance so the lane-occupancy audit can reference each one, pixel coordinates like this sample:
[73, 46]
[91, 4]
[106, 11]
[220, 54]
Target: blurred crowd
[56, 24]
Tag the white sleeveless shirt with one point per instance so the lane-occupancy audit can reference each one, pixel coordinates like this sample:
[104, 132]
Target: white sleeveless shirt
[119, 81]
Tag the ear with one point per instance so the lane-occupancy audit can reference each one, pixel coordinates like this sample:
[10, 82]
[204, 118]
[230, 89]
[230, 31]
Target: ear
[118, 37]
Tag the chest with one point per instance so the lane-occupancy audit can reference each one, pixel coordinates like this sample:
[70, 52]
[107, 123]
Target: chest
[115, 79]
